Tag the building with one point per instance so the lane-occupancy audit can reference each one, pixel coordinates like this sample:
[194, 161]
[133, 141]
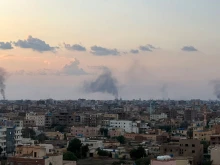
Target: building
[85, 131]
[215, 152]
[63, 118]
[38, 118]
[92, 120]
[215, 140]
[170, 149]
[157, 117]
[193, 148]
[54, 135]
[48, 120]
[172, 161]
[36, 155]
[190, 115]
[203, 135]
[128, 126]
[114, 132]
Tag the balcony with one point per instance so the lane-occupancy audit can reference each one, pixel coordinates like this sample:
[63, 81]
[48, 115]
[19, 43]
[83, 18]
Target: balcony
[18, 134]
[2, 140]
[2, 135]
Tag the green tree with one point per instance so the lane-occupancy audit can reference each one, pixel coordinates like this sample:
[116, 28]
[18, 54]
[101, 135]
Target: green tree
[137, 153]
[85, 150]
[143, 161]
[75, 147]
[41, 138]
[121, 139]
[104, 131]
[50, 163]
[207, 162]
[69, 156]
[184, 125]
[65, 138]
[190, 133]
[102, 153]
[1, 150]
[28, 133]
[205, 146]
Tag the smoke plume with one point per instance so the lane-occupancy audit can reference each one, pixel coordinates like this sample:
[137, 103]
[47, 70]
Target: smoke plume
[105, 83]
[216, 88]
[2, 81]
[163, 90]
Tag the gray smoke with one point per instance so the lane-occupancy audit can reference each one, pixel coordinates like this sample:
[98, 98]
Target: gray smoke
[216, 88]
[163, 91]
[105, 83]
[3, 74]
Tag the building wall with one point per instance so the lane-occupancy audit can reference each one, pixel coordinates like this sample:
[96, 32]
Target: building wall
[85, 131]
[215, 152]
[25, 161]
[55, 160]
[158, 162]
[127, 125]
[203, 135]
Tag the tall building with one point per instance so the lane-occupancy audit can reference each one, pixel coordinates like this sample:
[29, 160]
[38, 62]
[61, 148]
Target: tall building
[38, 118]
[190, 115]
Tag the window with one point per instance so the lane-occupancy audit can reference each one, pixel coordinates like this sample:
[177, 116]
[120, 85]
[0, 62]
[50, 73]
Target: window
[186, 145]
[35, 154]
[193, 151]
[193, 145]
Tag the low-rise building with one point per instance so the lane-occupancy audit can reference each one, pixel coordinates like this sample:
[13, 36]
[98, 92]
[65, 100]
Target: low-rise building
[26, 155]
[157, 117]
[85, 131]
[203, 135]
[215, 140]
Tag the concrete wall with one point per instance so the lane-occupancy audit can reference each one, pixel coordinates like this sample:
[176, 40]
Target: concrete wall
[55, 160]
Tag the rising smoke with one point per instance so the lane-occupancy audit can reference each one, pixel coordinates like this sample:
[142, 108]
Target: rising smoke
[3, 74]
[216, 88]
[104, 83]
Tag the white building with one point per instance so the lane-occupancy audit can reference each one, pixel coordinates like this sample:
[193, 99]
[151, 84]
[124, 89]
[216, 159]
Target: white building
[128, 126]
[18, 136]
[38, 118]
[158, 116]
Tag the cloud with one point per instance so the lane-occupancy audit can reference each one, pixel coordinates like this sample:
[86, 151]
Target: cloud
[101, 51]
[72, 69]
[189, 49]
[75, 47]
[5, 45]
[134, 51]
[145, 48]
[34, 44]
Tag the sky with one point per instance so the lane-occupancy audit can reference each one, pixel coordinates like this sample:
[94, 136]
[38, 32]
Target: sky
[154, 49]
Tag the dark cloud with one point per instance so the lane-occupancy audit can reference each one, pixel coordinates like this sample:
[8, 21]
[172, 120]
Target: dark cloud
[5, 45]
[34, 44]
[75, 47]
[145, 48]
[101, 51]
[72, 69]
[189, 49]
[134, 51]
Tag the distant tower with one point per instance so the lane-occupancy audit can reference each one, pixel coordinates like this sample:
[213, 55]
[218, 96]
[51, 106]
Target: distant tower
[205, 115]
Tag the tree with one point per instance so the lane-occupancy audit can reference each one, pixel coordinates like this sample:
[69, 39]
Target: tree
[190, 133]
[143, 161]
[28, 133]
[65, 138]
[138, 153]
[50, 163]
[205, 146]
[121, 139]
[102, 153]
[59, 128]
[69, 156]
[41, 138]
[75, 147]
[184, 125]
[104, 131]
[85, 150]
[1, 150]
[207, 162]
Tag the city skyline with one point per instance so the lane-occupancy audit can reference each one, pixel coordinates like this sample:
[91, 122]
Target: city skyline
[153, 49]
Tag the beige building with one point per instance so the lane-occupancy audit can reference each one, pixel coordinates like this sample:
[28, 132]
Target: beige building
[114, 132]
[85, 131]
[203, 135]
[35, 155]
[54, 135]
